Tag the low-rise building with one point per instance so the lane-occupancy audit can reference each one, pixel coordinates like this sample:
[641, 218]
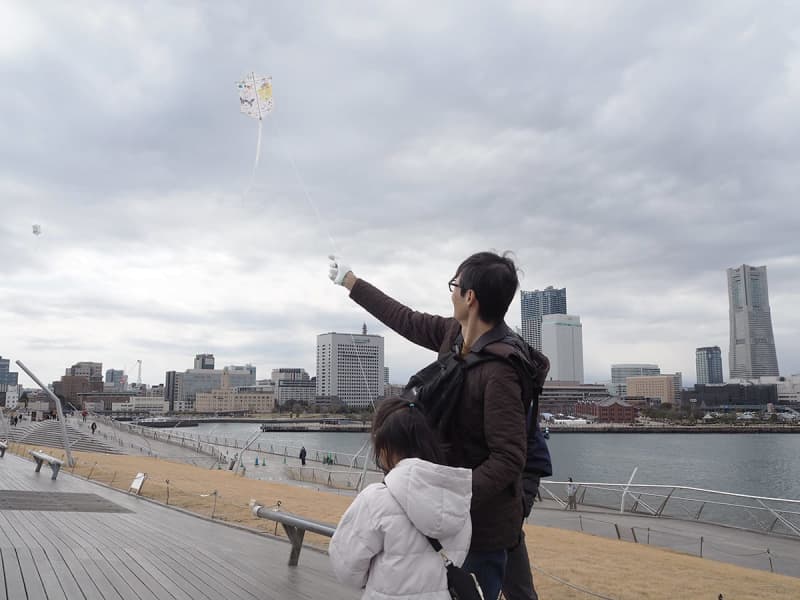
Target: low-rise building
[561, 398]
[235, 400]
[612, 410]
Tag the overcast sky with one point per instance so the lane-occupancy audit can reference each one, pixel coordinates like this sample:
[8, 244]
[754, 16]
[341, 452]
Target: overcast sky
[628, 151]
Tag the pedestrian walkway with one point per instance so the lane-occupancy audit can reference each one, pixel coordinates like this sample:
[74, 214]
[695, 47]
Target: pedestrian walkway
[108, 544]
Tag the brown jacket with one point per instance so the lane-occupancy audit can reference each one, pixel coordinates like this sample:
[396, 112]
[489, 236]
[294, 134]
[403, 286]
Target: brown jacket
[492, 416]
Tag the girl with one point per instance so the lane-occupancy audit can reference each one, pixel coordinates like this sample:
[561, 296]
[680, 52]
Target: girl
[380, 543]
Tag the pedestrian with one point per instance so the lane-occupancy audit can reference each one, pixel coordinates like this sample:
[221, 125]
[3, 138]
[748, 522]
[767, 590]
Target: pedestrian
[483, 428]
[303, 456]
[84, 414]
[380, 544]
[94, 427]
[572, 492]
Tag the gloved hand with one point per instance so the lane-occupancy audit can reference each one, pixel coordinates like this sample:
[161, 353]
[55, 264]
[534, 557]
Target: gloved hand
[337, 270]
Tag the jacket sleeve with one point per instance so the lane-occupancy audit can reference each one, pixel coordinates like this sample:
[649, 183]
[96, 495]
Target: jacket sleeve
[354, 544]
[505, 432]
[423, 329]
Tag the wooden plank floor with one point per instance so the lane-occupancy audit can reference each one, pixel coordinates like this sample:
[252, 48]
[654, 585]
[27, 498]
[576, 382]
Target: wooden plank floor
[149, 553]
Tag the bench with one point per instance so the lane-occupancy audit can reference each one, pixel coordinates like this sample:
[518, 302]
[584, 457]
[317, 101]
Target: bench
[3, 448]
[295, 527]
[41, 458]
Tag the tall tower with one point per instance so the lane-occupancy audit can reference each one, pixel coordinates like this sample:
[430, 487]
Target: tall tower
[752, 345]
[534, 305]
[709, 364]
[562, 342]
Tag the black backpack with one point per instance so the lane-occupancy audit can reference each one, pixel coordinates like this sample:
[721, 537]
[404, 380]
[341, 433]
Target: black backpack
[437, 388]
[461, 584]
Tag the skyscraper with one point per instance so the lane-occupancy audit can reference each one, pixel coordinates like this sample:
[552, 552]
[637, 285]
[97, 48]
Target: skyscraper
[6, 375]
[709, 364]
[534, 305]
[350, 367]
[752, 344]
[562, 343]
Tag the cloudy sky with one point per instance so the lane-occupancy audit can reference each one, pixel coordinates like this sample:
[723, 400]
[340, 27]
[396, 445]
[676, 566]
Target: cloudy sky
[628, 151]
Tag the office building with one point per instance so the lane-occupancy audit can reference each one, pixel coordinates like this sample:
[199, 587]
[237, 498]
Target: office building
[350, 368]
[708, 361]
[239, 376]
[752, 344]
[116, 380]
[204, 361]
[293, 385]
[562, 343]
[534, 305]
[621, 371]
[7, 376]
[663, 388]
[731, 396]
[92, 370]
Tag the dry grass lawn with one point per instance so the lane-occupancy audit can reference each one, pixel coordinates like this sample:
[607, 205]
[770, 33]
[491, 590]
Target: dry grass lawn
[611, 568]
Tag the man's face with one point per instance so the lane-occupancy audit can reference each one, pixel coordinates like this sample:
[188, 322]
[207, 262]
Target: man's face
[460, 308]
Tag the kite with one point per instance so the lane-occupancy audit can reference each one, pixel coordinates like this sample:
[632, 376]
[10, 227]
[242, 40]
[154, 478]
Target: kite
[37, 230]
[255, 100]
[255, 96]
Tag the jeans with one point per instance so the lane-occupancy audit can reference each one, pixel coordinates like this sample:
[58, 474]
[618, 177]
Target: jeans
[518, 581]
[488, 567]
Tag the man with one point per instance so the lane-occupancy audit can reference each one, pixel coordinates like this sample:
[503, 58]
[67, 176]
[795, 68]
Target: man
[488, 433]
[572, 492]
[303, 455]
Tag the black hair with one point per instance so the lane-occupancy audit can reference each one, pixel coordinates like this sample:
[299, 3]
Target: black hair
[494, 280]
[400, 429]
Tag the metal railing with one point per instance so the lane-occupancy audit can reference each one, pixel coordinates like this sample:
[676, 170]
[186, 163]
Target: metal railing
[295, 527]
[762, 514]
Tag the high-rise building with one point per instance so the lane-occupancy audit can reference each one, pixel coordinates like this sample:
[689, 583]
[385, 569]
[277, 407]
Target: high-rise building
[709, 364]
[204, 361]
[534, 305]
[621, 371]
[350, 368]
[7, 377]
[116, 380]
[752, 344]
[562, 343]
[239, 376]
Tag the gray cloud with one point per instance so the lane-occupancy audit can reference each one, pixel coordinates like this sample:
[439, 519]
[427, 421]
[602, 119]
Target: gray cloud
[628, 151]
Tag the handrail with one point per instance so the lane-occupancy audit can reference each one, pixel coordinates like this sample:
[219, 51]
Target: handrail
[294, 525]
[729, 508]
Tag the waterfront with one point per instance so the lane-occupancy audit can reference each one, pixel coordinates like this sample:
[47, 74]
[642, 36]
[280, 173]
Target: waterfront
[758, 464]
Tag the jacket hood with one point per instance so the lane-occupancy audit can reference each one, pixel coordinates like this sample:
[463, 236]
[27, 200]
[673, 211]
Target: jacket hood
[435, 498]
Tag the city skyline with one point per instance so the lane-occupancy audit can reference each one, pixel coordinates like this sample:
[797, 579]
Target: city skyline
[589, 140]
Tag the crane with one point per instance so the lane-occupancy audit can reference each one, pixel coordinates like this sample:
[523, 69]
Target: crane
[139, 374]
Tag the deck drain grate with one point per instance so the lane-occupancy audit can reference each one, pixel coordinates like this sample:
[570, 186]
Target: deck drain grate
[57, 502]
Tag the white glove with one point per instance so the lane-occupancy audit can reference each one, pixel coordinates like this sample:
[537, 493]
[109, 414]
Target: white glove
[337, 270]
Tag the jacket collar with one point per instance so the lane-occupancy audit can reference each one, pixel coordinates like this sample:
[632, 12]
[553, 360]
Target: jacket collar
[495, 334]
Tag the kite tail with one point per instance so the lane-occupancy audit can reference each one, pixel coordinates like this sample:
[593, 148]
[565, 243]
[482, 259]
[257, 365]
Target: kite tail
[258, 157]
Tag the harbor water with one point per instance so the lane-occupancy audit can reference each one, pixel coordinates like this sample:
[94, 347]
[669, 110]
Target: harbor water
[757, 464]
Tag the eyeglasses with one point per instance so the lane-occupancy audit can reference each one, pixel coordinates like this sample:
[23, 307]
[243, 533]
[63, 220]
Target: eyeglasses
[452, 284]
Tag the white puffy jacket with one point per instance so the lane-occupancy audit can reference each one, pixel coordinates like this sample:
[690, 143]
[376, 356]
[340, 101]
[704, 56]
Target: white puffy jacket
[379, 542]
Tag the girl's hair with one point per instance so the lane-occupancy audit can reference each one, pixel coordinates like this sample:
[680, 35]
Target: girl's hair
[399, 428]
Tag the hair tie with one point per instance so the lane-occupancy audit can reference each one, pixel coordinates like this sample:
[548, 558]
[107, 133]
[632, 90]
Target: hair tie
[411, 405]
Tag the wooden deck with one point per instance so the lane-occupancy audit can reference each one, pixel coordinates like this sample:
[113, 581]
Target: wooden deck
[135, 549]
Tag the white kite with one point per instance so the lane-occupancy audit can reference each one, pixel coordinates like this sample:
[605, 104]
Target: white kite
[255, 100]
[255, 95]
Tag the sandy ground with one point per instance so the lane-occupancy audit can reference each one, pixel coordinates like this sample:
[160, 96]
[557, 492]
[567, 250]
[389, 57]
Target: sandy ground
[611, 568]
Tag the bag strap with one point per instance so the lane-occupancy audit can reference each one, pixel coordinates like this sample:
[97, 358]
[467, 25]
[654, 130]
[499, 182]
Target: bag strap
[438, 547]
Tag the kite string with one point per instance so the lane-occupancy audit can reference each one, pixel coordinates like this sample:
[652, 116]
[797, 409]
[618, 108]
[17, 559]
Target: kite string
[334, 246]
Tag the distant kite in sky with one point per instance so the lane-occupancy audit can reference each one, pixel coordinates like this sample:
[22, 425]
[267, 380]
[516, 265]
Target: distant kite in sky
[37, 230]
[255, 100]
